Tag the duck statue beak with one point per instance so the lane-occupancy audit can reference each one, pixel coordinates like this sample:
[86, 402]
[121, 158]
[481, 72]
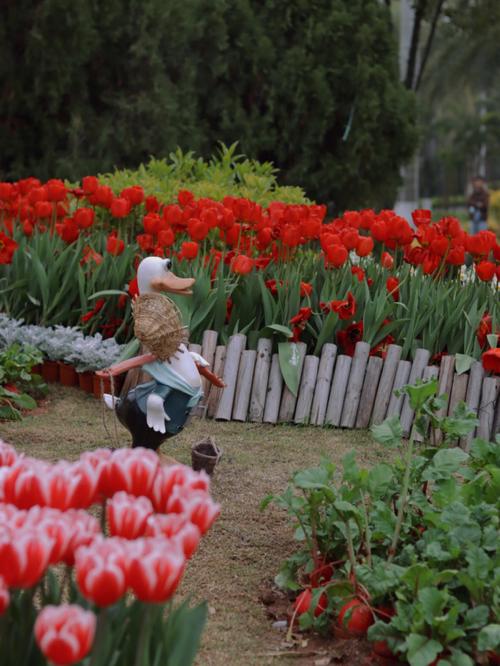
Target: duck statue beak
[173, 284]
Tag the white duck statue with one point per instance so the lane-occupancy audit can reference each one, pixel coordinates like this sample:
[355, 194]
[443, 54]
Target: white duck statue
[158, 409]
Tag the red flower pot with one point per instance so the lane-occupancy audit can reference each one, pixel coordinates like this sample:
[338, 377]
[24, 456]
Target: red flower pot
[98, 382]
[67, 375]
[36, 369]
[85, 381]
[50, 371]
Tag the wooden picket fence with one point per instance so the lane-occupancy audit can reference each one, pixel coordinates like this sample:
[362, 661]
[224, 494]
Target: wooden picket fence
[337, 390]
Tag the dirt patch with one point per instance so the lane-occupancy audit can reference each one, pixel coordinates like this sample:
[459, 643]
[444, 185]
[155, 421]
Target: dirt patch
[246, 545]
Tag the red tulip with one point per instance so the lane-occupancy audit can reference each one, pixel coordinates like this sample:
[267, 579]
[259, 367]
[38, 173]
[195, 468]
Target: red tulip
[90, 184]
[392, 285]
[421, 217]
[7, 192]
[491, 360]
[103, 196]
[345, 309]
[387, 260]
[349, 337]
[242, 265]
[8, 455]
[84, 217]
[189, 250]
[336, 255]
[305, 289]
[166, 237]
[4, 597]
[152, 204]
[85, 529]
[197, 229]
[7, 248]
[120, 207]
[131, 470]
[197, 506]
[65, 633]
[22, 484]
[364, 246]
[43, 209]
[56, 190]
[485, 271]
[155, 573]
[127, 515]
[101, 571]
[24, 556]
[172, 476]
[358, 272]
[177, 528]
[114, 245]
[68, 230]
[69, 485]
[133, 194]
[151, 223]
[146, 242]
[185, 198]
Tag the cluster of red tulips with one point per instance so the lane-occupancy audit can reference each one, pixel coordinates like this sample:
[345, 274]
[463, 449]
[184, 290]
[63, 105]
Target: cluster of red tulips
[249, 235]
[155, 519]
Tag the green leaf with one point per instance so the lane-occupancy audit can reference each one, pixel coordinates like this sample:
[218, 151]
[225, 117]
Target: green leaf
[389, 432]
[448, 461]
[421, 392]
[183, 633]
[463, 363]
[476, 617]
[290, 365]
[422, 650]
[379, 479]
[489, 638]
[433, 602]
[492, 340]
[280, 329]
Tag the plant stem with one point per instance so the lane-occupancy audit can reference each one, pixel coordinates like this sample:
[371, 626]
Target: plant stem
[368, 535]
[350, 547]
[403, 498]
[97, 650]
[142, 645]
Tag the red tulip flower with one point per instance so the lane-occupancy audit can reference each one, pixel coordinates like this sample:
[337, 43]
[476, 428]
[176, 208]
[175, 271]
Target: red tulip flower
[43, 209]
[133, 194]
[485, 270]
[345, 309]
[84, 217]
[185, 198]
[491, 360]
[114, 245]
[8, 455]
[305, 289]
[197, 229]
[24, 556]
[166, 237]
[152, 204]
[65, 633]
[392, 285]
[242, 265]
[174, 476]
[387, 260]
[101, 571]
[7, 248]
[90, 184]
[196, 505]
[151, 223]
[349, 337]
[336, 255]
[120, 207]
[155, 574]
[364, 246]
[131, 470]
[127, 515]
[189, 250]
[56, 190]
[177, 528]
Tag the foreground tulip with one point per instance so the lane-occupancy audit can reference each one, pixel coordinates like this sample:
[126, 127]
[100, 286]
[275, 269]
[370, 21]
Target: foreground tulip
[177, 528]
[197, 506]
[176, 475]
[491, 360]
[155, 575]
[101, 570]
[131, 470]
[65, 633]
[8, 455]
[127, 515]
[24, 556]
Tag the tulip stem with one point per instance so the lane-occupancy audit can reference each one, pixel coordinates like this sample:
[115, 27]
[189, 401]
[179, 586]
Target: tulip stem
[97, 650]
[142, 645]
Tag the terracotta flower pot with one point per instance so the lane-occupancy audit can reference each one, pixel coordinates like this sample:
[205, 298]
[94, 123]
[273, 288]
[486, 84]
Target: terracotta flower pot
[50, 371]
[85, 381]
[67, 375]
[97, 383]
[36, 369]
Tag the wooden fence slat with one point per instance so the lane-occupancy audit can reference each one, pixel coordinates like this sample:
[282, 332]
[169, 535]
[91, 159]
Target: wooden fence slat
[288, 400]
[386, 383]
[260, 380]
[323, 383]
[370, 385]
[489, 396]
[496, 424]
[446, 373]
[274, 391]
[194, 348]
[400, 380]
[215, 392]
[356, 378]
[338, 390]
[208, 345]
[430, 372]
[420, 361]
[306, 389]
[234, 350]
[244, 385]
[476, 376]
[458, 391]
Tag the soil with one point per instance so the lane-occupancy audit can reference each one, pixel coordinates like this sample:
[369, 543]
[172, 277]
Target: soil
[246, 546]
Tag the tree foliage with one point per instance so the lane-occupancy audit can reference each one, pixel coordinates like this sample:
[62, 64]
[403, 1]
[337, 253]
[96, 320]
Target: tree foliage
[310, 84]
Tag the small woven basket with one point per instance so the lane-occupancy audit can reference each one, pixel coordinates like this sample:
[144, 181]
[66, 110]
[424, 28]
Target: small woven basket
[158, 325]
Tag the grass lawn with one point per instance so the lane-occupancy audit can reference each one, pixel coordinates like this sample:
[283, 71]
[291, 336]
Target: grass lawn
[245, 547]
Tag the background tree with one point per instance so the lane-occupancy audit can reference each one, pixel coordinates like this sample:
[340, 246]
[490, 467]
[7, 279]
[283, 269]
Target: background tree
[310, 84]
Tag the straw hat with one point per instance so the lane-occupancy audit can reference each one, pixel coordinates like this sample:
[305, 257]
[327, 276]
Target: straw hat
[158, 324]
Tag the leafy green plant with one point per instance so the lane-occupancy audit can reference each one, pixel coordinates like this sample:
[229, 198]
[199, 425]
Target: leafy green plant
[18, 384]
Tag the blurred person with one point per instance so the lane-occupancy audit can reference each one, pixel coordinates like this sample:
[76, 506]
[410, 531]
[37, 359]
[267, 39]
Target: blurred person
[478, 203]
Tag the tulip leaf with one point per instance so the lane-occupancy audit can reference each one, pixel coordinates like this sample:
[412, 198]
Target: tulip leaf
[463, 363]
[290, 365]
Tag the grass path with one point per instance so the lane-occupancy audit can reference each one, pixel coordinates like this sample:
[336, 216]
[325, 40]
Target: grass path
[246, 546]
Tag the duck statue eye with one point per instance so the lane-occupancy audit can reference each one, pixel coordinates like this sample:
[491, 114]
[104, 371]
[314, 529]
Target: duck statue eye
[168, 264]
